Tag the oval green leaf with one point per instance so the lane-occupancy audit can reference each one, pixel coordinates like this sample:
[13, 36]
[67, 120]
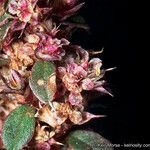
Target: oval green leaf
[18, 127]
[43, 81]
[87, 140]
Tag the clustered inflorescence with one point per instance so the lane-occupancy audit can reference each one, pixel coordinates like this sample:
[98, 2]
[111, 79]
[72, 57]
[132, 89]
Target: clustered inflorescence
[34, 33]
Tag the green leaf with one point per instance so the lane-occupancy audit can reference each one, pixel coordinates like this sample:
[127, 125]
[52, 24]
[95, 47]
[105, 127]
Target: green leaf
[86, 140]
[4, 24]
[78, 19]
[43, 81]
[18, 127]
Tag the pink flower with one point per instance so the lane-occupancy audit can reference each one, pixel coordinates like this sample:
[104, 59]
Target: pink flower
[12, 7]
[87, 84]
[51, 48]
[24, 10]
[75, 99]
[80, 73]
[76, 70]
[76, 64]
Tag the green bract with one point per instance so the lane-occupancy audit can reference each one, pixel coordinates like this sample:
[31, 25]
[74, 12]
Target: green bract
[43, 81]
[87, 140]
[18, 127]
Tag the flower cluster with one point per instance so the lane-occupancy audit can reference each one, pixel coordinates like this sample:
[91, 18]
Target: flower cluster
[34, 34]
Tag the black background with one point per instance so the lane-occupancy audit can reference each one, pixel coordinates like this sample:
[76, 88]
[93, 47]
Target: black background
[108, 21]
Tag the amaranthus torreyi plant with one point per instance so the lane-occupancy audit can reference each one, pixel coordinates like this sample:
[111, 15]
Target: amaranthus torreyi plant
[44, 79]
